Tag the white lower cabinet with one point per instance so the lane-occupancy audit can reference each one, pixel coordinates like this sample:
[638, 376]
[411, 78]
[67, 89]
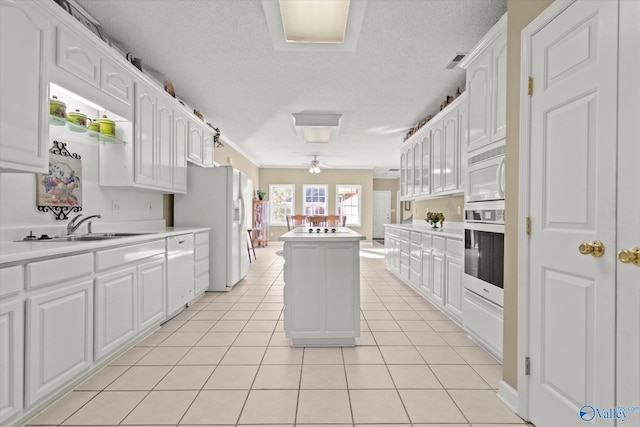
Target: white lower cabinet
[130, 299]
[151, 277]
[11, 358]
[453, 292]
[435, 266]
[59, 338]
[201, 267]
[115, 310]
[438, 277]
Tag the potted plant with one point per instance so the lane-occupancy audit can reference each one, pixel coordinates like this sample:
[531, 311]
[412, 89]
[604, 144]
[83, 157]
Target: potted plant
[434, 218]
[261, 194]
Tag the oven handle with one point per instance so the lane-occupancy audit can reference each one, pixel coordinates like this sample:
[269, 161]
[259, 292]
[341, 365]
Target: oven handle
[499, 176]
[483, 226]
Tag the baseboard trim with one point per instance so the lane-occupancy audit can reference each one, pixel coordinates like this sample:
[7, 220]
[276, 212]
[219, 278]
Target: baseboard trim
[508, 395]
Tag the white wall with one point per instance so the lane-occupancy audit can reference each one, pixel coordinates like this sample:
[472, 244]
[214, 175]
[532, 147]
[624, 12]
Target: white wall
[19, 213]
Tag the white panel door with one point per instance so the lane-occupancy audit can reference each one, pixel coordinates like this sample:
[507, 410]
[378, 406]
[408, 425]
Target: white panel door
[437, 151]
[573, 201]
[628, 314]
[450, 156]
[381, 212]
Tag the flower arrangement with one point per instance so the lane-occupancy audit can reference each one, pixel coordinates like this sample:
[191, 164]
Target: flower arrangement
[434, 218]
[261, 194]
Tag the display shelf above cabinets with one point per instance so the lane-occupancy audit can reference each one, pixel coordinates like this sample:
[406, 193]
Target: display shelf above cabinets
[118, 132]
[93, 136]
[431, 159]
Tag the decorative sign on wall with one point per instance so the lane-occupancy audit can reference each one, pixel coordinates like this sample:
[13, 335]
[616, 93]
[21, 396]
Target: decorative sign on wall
[60, 191]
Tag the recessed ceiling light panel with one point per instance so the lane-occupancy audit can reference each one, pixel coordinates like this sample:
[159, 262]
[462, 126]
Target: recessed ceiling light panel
[314, 21]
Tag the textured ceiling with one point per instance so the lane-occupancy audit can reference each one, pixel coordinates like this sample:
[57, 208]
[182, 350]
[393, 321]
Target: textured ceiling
[220, 57]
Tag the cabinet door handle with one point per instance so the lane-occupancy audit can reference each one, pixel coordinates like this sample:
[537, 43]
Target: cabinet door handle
[181, 241]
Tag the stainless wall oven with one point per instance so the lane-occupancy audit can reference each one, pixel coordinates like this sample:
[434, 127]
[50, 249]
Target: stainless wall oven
[484, 250]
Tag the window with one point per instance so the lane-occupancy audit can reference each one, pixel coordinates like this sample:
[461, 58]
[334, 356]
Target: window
[314, 199]
[348, 203]
[282, 197]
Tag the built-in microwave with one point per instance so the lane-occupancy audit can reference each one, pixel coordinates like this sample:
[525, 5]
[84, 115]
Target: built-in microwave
[484, 250]
[486, 175]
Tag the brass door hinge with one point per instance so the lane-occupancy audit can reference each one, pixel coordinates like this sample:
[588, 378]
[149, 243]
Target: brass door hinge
[528, 225]
[530, 85]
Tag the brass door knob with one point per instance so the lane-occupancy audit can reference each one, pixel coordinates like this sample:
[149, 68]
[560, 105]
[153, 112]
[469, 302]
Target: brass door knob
[594, 248]
[628, 256]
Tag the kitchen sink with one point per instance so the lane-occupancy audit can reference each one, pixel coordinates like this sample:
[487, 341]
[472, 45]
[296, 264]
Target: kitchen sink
[83, 237]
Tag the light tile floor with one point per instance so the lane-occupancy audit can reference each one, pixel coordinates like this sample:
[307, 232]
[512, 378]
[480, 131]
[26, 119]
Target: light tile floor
[225, 361]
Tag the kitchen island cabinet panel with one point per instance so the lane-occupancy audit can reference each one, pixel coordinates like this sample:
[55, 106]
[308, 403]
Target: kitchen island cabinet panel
[322, 287]
[59, 338]
[11, 358]
[115, 310]
[24, 65]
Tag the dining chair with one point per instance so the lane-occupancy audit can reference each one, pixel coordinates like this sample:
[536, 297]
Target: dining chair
[294, 221]
[336, 220]
[318, 220]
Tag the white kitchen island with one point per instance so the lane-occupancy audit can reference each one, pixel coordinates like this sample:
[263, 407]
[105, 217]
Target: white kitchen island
[322, 286]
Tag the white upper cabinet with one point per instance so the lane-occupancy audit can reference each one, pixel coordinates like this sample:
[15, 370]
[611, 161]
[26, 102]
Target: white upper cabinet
[160, 147]
[430, 160]
[180, 147]
[24, 87]
[486, 67]
[77, 56]
[145, 135]
[196, 140]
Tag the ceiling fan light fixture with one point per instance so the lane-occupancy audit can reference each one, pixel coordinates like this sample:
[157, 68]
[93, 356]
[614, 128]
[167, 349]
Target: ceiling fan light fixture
[314, 21]
[315, 165]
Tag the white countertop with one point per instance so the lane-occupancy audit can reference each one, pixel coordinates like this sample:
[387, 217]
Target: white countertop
[18, 252]
[302, 234]
[450, 229]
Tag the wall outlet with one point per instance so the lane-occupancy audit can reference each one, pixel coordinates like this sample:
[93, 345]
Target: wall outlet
[271, 234]
[459, 210]
[115, 206]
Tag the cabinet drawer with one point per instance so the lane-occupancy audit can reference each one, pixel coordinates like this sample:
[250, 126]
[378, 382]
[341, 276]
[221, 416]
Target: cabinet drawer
[455, 247]
[44, 273]
[439, 243]
[427, 240]
[202, 238]
[116, 257]
[405, 247]
[201, 267]
[404, 234]
[202, 252]
[416, 237]
[11, 279]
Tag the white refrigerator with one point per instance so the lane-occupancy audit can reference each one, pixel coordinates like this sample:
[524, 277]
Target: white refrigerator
[217, 199]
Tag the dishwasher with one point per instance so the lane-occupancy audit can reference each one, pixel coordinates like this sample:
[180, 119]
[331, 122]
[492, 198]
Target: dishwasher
[180, 272]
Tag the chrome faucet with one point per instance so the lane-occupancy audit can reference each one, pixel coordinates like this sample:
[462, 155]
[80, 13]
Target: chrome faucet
[72, 226]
